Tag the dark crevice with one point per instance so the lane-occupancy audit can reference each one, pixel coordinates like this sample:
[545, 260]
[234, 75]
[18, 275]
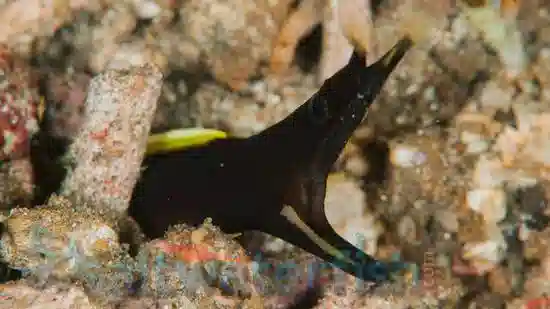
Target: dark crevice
[7, 273]
[375, 6]
[59, 51]
[309, 299]
[308, 51]
[141, 27]
[48, 169]
[471, 85]
[47, 152]
[377, 154]
[476, 286]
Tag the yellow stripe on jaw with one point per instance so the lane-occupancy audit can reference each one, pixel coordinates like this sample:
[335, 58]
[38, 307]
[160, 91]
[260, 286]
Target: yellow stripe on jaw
[181, 138]
[389, 57]
[290, 214]
[41, 109]
[335, 177]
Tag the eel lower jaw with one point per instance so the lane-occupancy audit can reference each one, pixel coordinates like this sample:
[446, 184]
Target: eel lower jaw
[360, 265]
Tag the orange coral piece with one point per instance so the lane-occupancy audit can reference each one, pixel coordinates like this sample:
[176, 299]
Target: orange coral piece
[508, 8]
[538, 303]
[198, 253]
[99, 135]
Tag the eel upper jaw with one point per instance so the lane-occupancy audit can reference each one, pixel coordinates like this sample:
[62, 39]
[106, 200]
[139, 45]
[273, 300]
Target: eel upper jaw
[351, 92]
[316, 132]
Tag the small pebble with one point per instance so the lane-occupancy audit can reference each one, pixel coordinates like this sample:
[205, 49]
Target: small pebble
[147, 9]
[447, 219]
[491, 203]
[363, 232]
[407, 229]
[484, 256]
[405, 156]
[475, 143]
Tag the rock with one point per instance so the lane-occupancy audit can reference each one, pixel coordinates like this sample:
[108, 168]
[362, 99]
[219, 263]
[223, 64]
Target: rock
[16, 183]
[489, 172]
[101, 43]
[448, 220]
[21, 295]
[536, 247]
[234, 36]
[509, 143]
[472, 227]
[407, 230]
[538, 283]
[475, 143]
[65, 95]
[496, 96]
[421, 189]
[502, 34]
[199, 263]
[406, 156]
[499, 281]
[356, 166]
[349, 293]
[148, 303]
[352, 160]
[491, 203]
[164, 276]
[421, 93]
[244, 115]
[18, 106]
[486, 255]
[132, 54]
[363, 232]
[344, 200]
[345, 207]
[528, 147]
[53, 227]
[147, 9]
[542, 70]
[62, 242]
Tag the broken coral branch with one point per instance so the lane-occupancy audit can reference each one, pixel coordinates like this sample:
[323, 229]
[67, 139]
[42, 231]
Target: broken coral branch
[299, 23]
[107, 152]
[346, 25]
[336, 47]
